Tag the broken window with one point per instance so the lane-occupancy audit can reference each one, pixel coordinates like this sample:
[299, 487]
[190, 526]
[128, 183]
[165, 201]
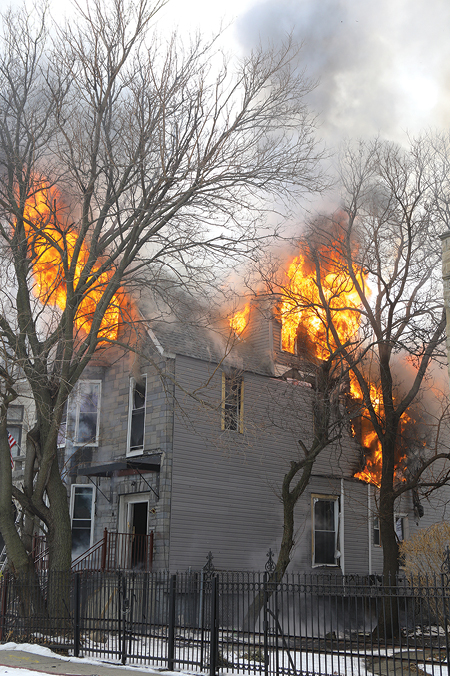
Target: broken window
[325, 530]
[87, 398]
[82, 513]
[136, 414]
[232, 402]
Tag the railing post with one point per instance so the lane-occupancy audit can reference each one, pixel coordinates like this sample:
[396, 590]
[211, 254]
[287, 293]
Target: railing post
[104, 548]
[214, 647]
[150, 551]
[4, 604]
[171, 630]
[76, 617]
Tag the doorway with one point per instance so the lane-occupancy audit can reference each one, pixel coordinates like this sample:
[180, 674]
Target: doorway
[137, 527]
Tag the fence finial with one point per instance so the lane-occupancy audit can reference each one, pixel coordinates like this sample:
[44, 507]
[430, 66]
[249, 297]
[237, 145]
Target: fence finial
[209, 566]
[270, 565]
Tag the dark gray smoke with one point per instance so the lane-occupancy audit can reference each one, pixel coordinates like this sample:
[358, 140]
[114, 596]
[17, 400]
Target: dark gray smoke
[383, 65]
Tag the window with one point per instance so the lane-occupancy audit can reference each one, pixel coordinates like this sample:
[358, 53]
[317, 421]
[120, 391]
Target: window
[136, 415]
[400, 526]
[232, 402]
[87, 398]
[14, 425]
[82, 508]
[325, 529]
[376, 531]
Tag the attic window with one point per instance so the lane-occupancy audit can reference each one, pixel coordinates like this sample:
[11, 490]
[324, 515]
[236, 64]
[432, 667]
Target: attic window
[232, 402]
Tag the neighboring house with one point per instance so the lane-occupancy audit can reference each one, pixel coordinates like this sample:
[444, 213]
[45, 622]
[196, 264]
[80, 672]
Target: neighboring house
[189, 438]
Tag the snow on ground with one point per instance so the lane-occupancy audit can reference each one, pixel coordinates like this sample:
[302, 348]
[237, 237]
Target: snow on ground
[41, 650]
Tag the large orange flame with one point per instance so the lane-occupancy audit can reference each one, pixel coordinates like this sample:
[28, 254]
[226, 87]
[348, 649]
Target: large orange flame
[306, 308]
[302, 307]
[239, 320]
[50, 243]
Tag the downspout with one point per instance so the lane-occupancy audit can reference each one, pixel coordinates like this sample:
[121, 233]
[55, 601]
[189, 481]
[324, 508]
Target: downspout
[342, 539]
[369, 521]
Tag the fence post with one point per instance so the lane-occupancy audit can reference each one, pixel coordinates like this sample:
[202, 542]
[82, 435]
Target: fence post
[214, 647]
[125, 611]
[265, 625]
[104, 549]
[4, 604]
[76, 617]
[171, 630]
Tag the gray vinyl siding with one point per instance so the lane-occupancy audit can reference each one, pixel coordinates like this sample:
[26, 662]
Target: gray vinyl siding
[225, 489]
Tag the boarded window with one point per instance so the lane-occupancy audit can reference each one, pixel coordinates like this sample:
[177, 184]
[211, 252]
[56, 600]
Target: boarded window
[82, 518]
[136, 416]
[87, 412]
[325, 530]
[232, 402]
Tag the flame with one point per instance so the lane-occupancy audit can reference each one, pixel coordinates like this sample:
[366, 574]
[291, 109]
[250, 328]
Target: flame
[302, 308]
[50, 242]
[239, 320]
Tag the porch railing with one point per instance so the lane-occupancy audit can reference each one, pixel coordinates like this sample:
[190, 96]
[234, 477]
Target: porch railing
[125, 551]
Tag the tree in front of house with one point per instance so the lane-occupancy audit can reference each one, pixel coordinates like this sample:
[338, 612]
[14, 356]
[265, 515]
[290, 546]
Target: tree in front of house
[383, 244]
[124, 161]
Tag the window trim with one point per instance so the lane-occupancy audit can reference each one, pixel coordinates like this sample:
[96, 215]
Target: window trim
[133, 381]
[77, 412]
[93, 490]
[316, 497]
[240, 412]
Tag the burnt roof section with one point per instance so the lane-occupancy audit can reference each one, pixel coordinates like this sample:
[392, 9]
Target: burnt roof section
[195, 330]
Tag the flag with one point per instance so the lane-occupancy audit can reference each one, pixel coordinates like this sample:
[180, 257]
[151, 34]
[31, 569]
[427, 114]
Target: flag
[12, 442]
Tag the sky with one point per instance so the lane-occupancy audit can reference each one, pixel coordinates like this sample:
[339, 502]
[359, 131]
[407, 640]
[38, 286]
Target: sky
[382, 66]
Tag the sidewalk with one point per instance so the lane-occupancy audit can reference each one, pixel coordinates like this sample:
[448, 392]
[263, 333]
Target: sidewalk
[47, 662]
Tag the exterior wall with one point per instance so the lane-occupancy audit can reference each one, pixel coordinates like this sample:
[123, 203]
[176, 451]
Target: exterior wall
[113, 492]
[226, 484]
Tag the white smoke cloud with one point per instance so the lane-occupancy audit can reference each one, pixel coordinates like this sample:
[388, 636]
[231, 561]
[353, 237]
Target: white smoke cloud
[383, 65]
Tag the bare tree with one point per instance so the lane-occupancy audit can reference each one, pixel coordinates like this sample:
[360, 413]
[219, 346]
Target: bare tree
[123, 160]
[384, 243]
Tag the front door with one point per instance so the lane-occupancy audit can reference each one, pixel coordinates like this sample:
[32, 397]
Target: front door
[137, 527]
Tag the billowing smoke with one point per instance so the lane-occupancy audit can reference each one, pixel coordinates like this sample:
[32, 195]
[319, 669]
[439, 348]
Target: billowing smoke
[383, 67]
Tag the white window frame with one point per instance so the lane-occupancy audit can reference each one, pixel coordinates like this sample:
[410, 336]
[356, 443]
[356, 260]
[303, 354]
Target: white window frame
[135, 451]
[73, 490]
[77, 400]
[325, 498]
[376, 527]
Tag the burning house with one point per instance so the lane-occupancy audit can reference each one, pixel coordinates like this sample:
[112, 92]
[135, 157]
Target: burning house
[182, 451]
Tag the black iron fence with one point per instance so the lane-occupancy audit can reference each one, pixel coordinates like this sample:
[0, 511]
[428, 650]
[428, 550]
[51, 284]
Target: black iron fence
[235, 622]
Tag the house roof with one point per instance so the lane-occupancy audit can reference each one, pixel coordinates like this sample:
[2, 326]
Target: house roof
[193, 329]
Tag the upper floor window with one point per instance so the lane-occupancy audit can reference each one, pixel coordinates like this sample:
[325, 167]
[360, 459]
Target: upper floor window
[325, 530]
[136, 414]
[87, 412]
[232, 402]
